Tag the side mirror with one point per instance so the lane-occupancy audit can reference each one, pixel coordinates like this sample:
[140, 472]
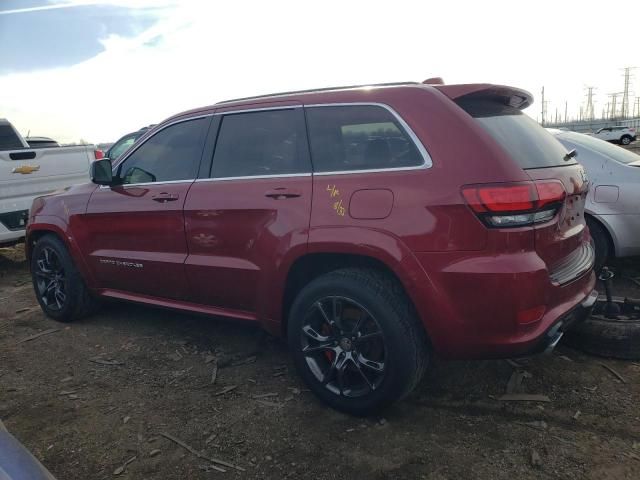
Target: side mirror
[101, 172]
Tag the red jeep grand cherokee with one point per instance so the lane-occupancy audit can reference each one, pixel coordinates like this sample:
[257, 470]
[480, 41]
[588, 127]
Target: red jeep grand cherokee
[370, 226]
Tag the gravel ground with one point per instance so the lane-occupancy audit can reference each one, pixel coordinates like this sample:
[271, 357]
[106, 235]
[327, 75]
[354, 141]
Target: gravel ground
[102, 398]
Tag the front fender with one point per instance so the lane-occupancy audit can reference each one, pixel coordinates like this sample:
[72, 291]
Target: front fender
[40, 224]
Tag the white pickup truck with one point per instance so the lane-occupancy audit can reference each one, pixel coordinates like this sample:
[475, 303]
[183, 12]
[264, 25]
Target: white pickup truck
[27, 172]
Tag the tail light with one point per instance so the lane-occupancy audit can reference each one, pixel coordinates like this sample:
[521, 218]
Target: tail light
[632, 130]
[98, 154]
[515, 204]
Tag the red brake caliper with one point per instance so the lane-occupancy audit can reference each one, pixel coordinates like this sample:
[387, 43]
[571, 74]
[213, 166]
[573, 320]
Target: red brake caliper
[326, 330]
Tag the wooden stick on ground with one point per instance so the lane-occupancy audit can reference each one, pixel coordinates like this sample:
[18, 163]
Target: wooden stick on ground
[201, 455]
[615, 374]
[38, 335]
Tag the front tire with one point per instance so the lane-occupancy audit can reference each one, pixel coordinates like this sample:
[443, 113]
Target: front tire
[59, 288]
[356, 340]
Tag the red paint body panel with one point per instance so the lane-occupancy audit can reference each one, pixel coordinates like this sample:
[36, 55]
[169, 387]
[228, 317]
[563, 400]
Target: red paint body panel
[224, 247]
[238, 239]
[126, 224]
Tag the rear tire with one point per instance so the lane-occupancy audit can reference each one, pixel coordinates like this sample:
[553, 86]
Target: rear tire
[601, 241]
[356, 340]
[625, 140]
[59, 287]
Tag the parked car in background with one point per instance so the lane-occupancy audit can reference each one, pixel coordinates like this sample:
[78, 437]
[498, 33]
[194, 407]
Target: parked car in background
[623, 135]
[372, 227]
[29, 171]
[613, 203]
[123, 143]
[41, 142]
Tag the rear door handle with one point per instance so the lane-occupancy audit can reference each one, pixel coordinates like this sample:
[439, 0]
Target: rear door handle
[282, 193]
[164, 197]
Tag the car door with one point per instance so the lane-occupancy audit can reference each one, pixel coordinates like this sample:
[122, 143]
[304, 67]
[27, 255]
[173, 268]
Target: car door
[134, 230]
[251, 215]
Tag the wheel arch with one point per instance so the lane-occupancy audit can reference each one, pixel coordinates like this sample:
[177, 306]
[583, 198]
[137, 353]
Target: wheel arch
[606, 228]
[405, 270]
[51, 225]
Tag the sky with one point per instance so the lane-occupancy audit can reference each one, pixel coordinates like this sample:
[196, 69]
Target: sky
[96, 70]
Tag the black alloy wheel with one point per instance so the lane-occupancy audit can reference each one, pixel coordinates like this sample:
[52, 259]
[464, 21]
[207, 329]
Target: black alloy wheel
[343, 346]
[50, 279]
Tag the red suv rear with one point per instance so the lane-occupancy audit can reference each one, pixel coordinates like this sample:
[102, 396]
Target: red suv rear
[370, 226]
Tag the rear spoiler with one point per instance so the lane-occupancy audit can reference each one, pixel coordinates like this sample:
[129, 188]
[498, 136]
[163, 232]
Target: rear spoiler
[514, 97]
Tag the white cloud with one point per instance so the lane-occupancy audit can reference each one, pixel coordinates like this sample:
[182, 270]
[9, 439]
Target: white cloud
[211, 51]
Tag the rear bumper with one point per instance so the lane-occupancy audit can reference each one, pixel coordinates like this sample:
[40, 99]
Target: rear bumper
[554, 334]
[477, 306]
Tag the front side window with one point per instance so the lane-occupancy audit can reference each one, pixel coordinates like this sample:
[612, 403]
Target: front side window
[358, 137]
[261, 143]
[171, 154]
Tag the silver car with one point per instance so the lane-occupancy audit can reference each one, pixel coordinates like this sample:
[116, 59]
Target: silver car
[612, 210]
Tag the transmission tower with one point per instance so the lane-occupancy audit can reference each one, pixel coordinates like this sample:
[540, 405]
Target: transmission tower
[624, 110]
[588, 114]
[613, 112]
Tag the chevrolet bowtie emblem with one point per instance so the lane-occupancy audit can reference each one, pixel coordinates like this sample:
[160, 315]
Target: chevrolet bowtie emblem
[25, 169]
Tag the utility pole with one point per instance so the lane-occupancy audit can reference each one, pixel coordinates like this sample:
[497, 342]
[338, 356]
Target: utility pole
[580, 117]
[556, 115]
[543, 107]
[565, 112]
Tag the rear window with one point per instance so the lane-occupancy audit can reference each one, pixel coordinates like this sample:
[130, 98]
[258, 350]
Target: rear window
[8, 138]
[526, 142]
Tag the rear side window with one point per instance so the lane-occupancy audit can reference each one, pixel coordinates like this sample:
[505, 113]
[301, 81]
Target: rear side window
[524, 140]
[271, 142]
[358, 137]
[171, 154]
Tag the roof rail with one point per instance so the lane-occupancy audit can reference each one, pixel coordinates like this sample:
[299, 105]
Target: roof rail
[314, 90]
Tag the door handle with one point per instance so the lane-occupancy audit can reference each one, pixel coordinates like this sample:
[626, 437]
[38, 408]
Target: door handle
[282, 193]
[164, 197]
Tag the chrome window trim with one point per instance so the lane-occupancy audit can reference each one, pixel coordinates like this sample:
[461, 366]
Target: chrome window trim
[255, 177]
[181, 120]
[426, 158]
[127, 185]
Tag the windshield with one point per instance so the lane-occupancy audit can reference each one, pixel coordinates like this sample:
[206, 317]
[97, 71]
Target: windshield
[526, 142]
[121, 146]
[618, 154]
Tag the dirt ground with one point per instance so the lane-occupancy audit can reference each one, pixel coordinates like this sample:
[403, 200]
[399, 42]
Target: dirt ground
[92, 396]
